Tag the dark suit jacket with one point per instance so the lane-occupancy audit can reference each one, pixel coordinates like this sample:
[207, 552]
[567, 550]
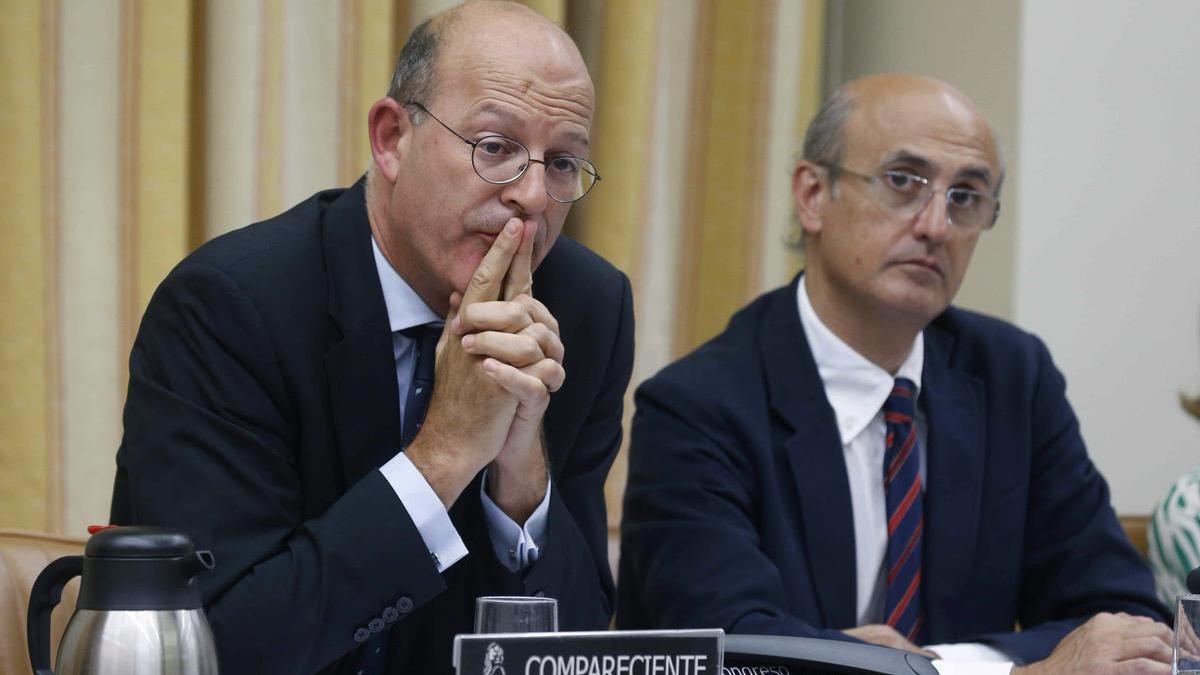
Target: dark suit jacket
[262, 395]
[737, 512]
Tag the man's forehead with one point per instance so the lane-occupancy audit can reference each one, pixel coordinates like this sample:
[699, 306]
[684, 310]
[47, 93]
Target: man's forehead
[514, 90]
[927, 123]
[514, 36]
[534, 60]
[568, 128]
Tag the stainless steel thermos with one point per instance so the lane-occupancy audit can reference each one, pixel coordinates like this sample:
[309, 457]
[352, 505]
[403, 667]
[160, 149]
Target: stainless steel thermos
[139, 609]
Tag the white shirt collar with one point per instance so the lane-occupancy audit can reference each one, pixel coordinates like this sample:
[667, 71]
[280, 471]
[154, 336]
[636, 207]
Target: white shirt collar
[404, 307]
[855, 387]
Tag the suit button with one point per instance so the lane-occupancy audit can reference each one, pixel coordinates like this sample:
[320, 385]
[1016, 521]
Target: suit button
[390, 614]
[376, 625]
[404, 604]
[362, 635]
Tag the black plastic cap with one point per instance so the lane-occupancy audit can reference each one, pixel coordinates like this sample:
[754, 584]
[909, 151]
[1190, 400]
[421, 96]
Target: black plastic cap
[139, 542]
[141, 568]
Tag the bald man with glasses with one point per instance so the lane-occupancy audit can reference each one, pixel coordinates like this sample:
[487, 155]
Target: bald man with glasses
[350, 403]
[856, 459]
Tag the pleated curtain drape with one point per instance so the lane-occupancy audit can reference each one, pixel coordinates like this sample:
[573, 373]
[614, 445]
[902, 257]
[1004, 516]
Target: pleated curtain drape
[133, 131]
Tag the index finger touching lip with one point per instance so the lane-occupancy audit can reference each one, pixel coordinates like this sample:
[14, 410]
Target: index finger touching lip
[520, 273]
[487, 281]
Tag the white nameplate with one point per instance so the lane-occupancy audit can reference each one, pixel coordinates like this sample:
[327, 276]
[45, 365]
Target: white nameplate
[641, 652]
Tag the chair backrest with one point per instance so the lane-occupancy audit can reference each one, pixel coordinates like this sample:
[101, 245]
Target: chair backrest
[23, 555]
[1136, 528]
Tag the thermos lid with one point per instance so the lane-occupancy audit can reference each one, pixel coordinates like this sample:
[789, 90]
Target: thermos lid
[138, 542]
[141, 568]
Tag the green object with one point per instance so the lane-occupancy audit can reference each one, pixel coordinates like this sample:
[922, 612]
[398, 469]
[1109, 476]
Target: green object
[1174, 537]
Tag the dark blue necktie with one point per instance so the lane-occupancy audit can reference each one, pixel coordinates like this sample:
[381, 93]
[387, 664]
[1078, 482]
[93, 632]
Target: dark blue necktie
[905, 517]
[373, 656]
[425, 340]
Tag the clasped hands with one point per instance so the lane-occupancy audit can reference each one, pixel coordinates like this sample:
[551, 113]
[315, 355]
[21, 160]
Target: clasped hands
[499, 359]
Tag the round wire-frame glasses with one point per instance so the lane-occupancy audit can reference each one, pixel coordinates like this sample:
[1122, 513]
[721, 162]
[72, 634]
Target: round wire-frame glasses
[501, 160]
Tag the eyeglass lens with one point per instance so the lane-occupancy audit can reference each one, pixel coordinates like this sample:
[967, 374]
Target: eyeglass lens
[965, 208]
[502, 160]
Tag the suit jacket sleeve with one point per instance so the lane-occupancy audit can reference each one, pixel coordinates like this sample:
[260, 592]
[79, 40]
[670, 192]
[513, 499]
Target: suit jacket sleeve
[691, 554]
[1077, 560]
[210, 428]
[574, 565]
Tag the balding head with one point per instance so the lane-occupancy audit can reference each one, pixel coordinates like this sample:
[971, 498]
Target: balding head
[884, 102]
[472, 31]
[870, 97]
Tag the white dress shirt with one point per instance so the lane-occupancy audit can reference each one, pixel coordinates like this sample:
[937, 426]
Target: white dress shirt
[856, 389]
[516, 546]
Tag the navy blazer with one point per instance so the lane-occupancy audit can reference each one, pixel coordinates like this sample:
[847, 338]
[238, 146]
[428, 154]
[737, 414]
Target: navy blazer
[737, 511]
[262, 396]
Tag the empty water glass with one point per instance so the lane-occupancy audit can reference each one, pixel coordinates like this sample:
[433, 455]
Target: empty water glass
[515, 614]
[1187, 636]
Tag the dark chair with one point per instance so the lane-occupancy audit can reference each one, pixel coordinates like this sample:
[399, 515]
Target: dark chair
[23, 555]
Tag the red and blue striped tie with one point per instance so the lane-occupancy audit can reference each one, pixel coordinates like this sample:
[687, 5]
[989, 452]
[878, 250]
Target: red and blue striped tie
[905, 519]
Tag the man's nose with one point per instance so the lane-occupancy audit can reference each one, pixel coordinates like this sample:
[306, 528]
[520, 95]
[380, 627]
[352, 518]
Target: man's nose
[933, 221]
[528, 193]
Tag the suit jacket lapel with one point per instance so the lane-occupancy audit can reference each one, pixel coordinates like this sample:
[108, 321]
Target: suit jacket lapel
[953, 403]
[814, 451]
[361, 367]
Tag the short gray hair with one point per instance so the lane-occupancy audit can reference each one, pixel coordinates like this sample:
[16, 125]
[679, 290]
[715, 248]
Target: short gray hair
[825, 140]
[824, 145]
[414, 78]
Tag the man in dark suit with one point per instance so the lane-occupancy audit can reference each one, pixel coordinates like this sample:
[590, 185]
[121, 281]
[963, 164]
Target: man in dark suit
[279, 404]
[855, 459]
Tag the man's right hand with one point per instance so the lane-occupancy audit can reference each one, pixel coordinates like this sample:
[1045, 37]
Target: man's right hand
[1109, 644]
[470, 414]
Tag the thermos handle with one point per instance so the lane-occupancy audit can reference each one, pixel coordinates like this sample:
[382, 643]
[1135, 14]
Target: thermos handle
[46, 593]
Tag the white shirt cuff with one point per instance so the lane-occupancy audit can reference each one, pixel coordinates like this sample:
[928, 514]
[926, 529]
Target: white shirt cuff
[972, 667]
[970, 658]
[516, 547]
[426, 510]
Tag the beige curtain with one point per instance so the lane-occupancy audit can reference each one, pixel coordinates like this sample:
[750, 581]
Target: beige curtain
[701, 107]
[135, 130]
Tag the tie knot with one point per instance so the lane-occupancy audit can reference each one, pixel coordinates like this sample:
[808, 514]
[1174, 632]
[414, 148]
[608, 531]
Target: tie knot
[424, 333]
[901, 398]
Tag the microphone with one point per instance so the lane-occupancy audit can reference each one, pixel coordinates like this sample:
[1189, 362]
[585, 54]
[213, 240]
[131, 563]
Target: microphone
[1193, 581]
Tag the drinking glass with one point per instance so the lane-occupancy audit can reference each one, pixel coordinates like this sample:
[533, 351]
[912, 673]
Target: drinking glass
[1187, 636]
[516, 614]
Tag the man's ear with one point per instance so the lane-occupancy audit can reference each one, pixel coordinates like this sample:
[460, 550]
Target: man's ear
[389, 129]
[810, 191]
